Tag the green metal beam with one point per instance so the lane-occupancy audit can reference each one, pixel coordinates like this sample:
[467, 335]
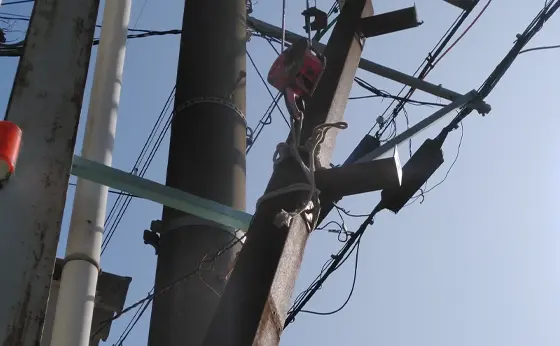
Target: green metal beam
[156, 192]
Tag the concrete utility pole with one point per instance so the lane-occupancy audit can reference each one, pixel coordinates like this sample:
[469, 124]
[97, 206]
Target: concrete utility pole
[78, 283]
[45, 103]
[207, 159]
[257, 297]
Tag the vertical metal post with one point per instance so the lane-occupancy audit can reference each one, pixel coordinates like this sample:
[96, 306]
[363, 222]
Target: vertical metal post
[257, 296]
[78, 283]
[45, 103]
[207, 159]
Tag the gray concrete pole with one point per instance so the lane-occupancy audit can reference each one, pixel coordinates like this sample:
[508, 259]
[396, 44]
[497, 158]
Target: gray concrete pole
[207, 159]
[45, 103]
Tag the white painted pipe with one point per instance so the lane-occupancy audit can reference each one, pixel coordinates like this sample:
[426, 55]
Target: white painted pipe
[76, 300]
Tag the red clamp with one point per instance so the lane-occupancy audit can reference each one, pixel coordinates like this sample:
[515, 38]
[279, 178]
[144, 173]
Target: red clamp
[296, 73]
[10, 141]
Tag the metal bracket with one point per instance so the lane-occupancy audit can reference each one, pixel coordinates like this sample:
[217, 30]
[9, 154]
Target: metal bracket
[370, 66]
[159, 193]
[359, 178]
[420, 126]
[389, 22]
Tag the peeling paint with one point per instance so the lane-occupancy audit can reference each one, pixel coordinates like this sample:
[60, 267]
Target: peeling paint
[46, 101]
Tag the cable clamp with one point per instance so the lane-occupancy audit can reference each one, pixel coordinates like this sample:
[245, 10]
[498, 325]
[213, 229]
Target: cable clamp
[193, 221]
[81, 257]
[215, 100]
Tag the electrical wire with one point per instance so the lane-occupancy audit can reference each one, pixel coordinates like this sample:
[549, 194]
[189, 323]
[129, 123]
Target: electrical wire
[490, 83]
[426, 190]
[357, 251]
[539, 48]
[133, 322]
[152, 294]
[381, 93]
[464, 32]
[115, 192]
[141, 165]
[331, 266]
[426, 66]
[267, 87]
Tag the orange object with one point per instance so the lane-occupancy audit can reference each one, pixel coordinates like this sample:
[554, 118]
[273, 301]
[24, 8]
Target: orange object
[10, 141]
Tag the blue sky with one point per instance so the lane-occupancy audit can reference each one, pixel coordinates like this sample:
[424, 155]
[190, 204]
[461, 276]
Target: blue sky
[475, 264]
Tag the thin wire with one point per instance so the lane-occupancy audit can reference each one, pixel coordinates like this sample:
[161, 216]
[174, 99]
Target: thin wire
[333, 264]
[267, 87]
[355, 276]
[115, 215]
[153, 294]
[426, 67]
[115, 192]
[424, 191]
[347, 212]
[140, 14]
[464, 32]
[538, 48]
[490, 83]
[283, 26]
[133, 322]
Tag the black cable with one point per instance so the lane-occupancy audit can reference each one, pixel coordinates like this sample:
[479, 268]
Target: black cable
[424, 190]
[152, 294]
[349, 294]
[347, 212]
[337, 261]
[126, 200]
[539, 48]
[426, 67]
[115, 192]
[381, 93]
[490, 83]
[267, 87]
[133, 322]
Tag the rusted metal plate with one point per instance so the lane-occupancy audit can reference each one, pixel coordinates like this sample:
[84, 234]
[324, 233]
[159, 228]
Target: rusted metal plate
[45, 103]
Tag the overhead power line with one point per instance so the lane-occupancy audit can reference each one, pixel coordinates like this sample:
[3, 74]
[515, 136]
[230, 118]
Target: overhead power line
[426, 66]
[144, 302]
[337, 261]
[490, 83]
[539, 48]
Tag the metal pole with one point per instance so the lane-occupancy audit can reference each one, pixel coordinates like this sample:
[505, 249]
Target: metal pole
[207, 159]
[74, 308]
[375, 68]
[257, 297]
[45, 103]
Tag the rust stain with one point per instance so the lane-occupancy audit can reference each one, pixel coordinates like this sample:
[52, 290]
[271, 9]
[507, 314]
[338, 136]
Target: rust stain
[271, 325]
[16, 331]
[42, 228]
[22, 80]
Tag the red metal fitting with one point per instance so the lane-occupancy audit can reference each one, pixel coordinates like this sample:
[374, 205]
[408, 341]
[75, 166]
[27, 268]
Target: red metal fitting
[298, 68]
[10, 141]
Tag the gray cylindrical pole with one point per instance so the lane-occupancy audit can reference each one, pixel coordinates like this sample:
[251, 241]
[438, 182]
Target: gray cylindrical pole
[206, 158]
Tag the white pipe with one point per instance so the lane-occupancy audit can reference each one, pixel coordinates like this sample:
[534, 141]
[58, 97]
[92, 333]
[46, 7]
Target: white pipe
[74, 309]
